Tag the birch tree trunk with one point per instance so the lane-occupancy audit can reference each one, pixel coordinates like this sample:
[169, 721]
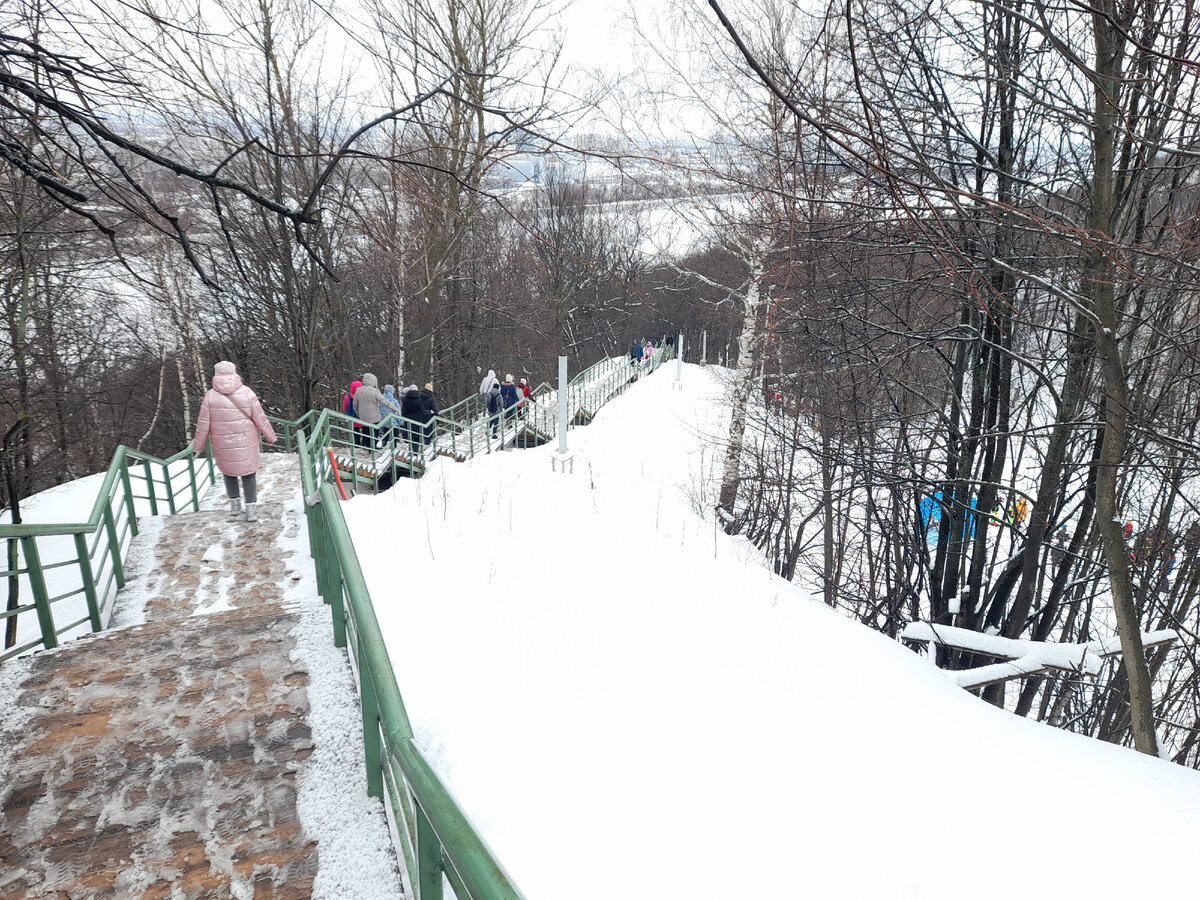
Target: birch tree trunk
[749, 350]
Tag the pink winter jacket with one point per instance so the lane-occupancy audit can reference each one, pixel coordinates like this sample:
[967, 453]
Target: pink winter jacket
[232, 418]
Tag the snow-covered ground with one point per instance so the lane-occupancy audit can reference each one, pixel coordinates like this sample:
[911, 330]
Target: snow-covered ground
[630, 705]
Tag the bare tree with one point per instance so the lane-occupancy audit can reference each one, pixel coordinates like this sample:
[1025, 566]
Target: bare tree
[966, 123]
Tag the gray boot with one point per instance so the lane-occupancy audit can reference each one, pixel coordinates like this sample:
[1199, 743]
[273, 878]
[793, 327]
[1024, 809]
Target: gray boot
[235, 505]
[251, 512]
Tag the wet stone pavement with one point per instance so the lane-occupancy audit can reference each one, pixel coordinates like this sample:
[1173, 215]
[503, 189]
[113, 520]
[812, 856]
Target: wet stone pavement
[159, 760]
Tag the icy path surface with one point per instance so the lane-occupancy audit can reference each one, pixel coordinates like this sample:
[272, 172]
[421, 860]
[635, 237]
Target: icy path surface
[209, 748]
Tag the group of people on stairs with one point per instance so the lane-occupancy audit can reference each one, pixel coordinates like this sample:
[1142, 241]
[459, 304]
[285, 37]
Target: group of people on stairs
[232, 419]
[365, 403]
[504, 397]
[641, 353]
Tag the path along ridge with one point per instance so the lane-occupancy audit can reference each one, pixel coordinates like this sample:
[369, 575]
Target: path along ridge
[208, 744]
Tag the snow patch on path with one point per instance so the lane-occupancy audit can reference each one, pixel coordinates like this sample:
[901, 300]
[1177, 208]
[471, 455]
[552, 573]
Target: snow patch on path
[354, 841]
[14, 719]
[142, 575]
[357, 860]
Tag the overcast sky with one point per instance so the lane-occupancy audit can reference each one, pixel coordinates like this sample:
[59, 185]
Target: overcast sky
[592, 35]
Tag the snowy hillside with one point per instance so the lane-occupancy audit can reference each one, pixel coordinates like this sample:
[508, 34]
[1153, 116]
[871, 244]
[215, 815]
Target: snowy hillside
[630, 705]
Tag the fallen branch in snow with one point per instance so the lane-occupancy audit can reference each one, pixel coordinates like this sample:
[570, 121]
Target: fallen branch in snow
[1023, 658]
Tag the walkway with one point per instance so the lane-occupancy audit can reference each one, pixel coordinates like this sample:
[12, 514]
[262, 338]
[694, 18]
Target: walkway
[205, 753]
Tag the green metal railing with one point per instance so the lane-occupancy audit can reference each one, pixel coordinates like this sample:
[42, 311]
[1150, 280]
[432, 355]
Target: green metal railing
[461, 431]
[434, 835]
[85, 561]
[285, 430]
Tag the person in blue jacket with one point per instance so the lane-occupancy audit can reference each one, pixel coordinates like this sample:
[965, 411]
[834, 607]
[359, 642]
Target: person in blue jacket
[389, 394]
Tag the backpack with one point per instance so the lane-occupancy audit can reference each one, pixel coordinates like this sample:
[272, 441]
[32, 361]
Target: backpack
[348, 407]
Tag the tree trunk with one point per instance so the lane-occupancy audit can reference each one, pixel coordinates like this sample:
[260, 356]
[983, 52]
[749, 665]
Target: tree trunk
[8, 465]
[1099, 274]
[830, 579]
[749, 345]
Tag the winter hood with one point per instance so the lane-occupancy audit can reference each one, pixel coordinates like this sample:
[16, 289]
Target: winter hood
[370, 381]
[226, 380]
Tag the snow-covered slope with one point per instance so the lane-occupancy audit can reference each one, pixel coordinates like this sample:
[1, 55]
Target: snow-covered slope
[630, 705]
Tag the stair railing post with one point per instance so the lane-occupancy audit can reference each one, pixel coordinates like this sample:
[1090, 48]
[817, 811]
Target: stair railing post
[170, 488]
[429, 859]
[192, 478]
[127, 486]
[319, 549]
[89, 581]
[372, 742]
[337, 597]
[41, 597]
[114, 544]
[150, 487]
[563, 390]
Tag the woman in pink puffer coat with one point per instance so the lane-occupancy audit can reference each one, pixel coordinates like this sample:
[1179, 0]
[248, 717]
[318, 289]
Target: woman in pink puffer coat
[232, 418]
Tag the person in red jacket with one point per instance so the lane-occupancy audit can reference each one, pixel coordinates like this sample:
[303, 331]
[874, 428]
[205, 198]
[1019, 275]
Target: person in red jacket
[232, 418]
[348, 409]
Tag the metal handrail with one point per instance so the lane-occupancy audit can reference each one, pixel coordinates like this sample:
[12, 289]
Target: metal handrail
[436, 838]
[464, 430]
[285, 429]
[111, 527]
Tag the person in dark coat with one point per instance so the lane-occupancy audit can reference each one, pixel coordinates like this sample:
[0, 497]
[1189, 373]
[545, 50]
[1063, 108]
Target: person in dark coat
[510, 395]
[635, 355]
[428, 411]
[410, 408]
[489, 390]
